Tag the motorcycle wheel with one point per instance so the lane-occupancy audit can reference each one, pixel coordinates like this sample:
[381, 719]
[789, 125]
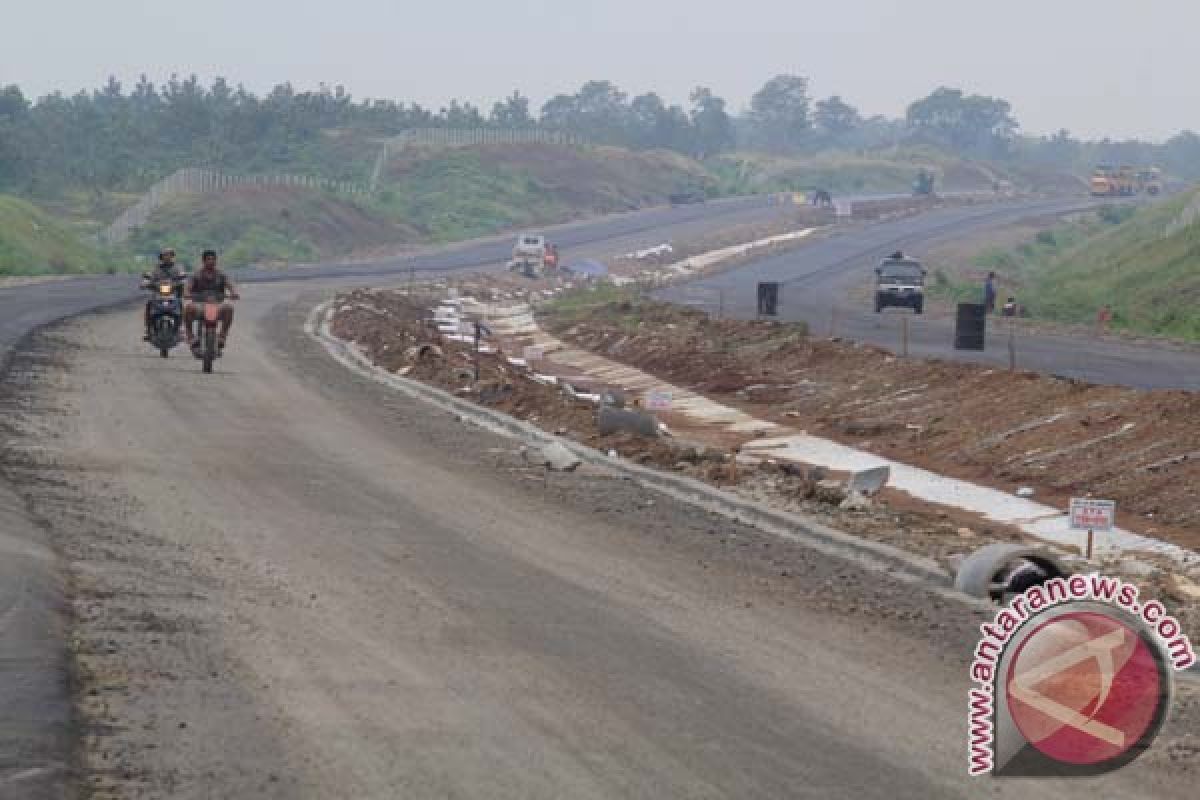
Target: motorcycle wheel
[210, 349]
[164, 352]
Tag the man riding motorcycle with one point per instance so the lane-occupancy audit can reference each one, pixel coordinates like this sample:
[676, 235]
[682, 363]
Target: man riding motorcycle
[167, 270]
[209, 285]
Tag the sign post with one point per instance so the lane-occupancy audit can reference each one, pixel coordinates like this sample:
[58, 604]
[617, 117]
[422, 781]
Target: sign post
[657, 400]
[1092, 515]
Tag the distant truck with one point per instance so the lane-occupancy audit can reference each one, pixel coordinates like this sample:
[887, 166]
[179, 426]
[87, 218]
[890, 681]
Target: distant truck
[529, 255]
[1150, 181]
[1109, 181]
[532, 255]
[900, 281]
[687, 197]
[923, 184]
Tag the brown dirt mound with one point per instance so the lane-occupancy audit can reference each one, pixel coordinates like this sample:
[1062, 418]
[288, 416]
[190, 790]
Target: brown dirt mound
[1064, 438]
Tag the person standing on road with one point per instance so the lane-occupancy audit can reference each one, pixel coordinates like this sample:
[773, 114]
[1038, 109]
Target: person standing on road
[989, 293]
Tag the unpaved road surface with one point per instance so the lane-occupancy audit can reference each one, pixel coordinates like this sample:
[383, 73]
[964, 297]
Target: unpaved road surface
[287, 582]
[816, 279]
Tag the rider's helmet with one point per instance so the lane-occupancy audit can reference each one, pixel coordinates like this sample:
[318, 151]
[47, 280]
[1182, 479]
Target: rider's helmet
[165, 253]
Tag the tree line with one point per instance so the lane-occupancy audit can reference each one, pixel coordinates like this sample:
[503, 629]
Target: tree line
[113, 138]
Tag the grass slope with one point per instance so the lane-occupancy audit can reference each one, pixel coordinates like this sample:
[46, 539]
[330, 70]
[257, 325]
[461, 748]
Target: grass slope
[264, 225]
[1145, 263]
[1147, 267]
[889, 171]
[427, 195]
[464, 192]
[34, 243]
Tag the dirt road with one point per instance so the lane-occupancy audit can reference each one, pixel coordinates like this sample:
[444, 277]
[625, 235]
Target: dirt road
[333, 591]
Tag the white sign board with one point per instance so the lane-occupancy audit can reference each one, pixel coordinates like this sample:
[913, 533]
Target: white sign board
[452, 293]
[843, 208]
[1089, 514]
[533, 353]
[657, 400]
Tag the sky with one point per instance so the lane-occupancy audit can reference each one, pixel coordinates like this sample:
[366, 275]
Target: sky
[1118, 68]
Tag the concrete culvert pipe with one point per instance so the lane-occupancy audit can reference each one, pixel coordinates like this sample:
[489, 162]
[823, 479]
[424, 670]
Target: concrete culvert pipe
[1000, 570]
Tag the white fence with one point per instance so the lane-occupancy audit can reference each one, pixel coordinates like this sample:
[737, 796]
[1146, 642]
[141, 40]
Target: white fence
[200, 181]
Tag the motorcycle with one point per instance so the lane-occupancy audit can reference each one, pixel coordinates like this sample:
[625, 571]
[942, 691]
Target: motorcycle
[166, 314]
[208, 316]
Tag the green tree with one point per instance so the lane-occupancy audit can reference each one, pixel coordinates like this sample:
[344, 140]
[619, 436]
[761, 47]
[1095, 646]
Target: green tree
[964, 123]
[712, 127]
[835, 118]
[512, 112]
[779, 113]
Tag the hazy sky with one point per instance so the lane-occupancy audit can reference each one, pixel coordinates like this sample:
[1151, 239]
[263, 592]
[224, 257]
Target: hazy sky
[1096, 67]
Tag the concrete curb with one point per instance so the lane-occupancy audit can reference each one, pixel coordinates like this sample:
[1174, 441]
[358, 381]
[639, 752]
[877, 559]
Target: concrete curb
[898, 564]
[786, 525]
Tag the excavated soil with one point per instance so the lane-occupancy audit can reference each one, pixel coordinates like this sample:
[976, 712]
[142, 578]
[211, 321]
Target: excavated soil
[1061, 437]
[957, 419]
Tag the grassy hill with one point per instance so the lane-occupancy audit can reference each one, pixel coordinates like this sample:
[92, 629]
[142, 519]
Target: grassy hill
[34, 243]
[1145, 263]
[890, 171]
[427, 195]
[463, 192]
[265, 225]
[1147, 267]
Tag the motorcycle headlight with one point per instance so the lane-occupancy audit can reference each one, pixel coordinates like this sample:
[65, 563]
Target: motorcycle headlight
[166, 289]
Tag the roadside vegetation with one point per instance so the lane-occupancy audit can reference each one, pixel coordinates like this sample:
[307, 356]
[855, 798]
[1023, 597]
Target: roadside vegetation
[85, 157]
[1141, 262]
[32, 243]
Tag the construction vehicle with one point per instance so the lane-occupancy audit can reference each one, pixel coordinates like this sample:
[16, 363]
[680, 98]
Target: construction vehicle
[923, 184]
[1109, 181]
[1150, 181]
[529, 255]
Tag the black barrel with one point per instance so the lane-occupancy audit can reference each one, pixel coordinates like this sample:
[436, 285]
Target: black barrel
[768, 299]
[970, 326]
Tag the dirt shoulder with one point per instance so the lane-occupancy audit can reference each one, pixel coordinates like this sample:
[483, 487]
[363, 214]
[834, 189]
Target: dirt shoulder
[1004, 429]
[958, 420]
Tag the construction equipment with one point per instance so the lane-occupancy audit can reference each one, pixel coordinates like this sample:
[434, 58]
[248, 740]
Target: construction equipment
[923, 184]
[529, 255]
[1150, 181]
[1109, 181]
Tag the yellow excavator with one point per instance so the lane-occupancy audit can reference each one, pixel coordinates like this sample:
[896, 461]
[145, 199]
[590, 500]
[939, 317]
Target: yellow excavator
[1110, 181]
[1125, 181]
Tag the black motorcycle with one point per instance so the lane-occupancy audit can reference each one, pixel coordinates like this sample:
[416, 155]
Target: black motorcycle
[166, 312]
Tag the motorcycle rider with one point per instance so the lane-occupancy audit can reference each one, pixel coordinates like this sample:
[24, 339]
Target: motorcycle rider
[167, 270]
[209, 285]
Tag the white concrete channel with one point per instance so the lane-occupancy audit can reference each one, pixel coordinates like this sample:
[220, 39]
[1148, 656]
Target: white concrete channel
[514, 327]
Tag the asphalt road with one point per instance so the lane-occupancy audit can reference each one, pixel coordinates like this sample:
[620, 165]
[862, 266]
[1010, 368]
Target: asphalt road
[25, 308]
[816, 278]
[337, 592]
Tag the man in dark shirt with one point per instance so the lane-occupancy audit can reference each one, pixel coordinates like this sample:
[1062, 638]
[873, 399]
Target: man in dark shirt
[167, 270]
[209, 285]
